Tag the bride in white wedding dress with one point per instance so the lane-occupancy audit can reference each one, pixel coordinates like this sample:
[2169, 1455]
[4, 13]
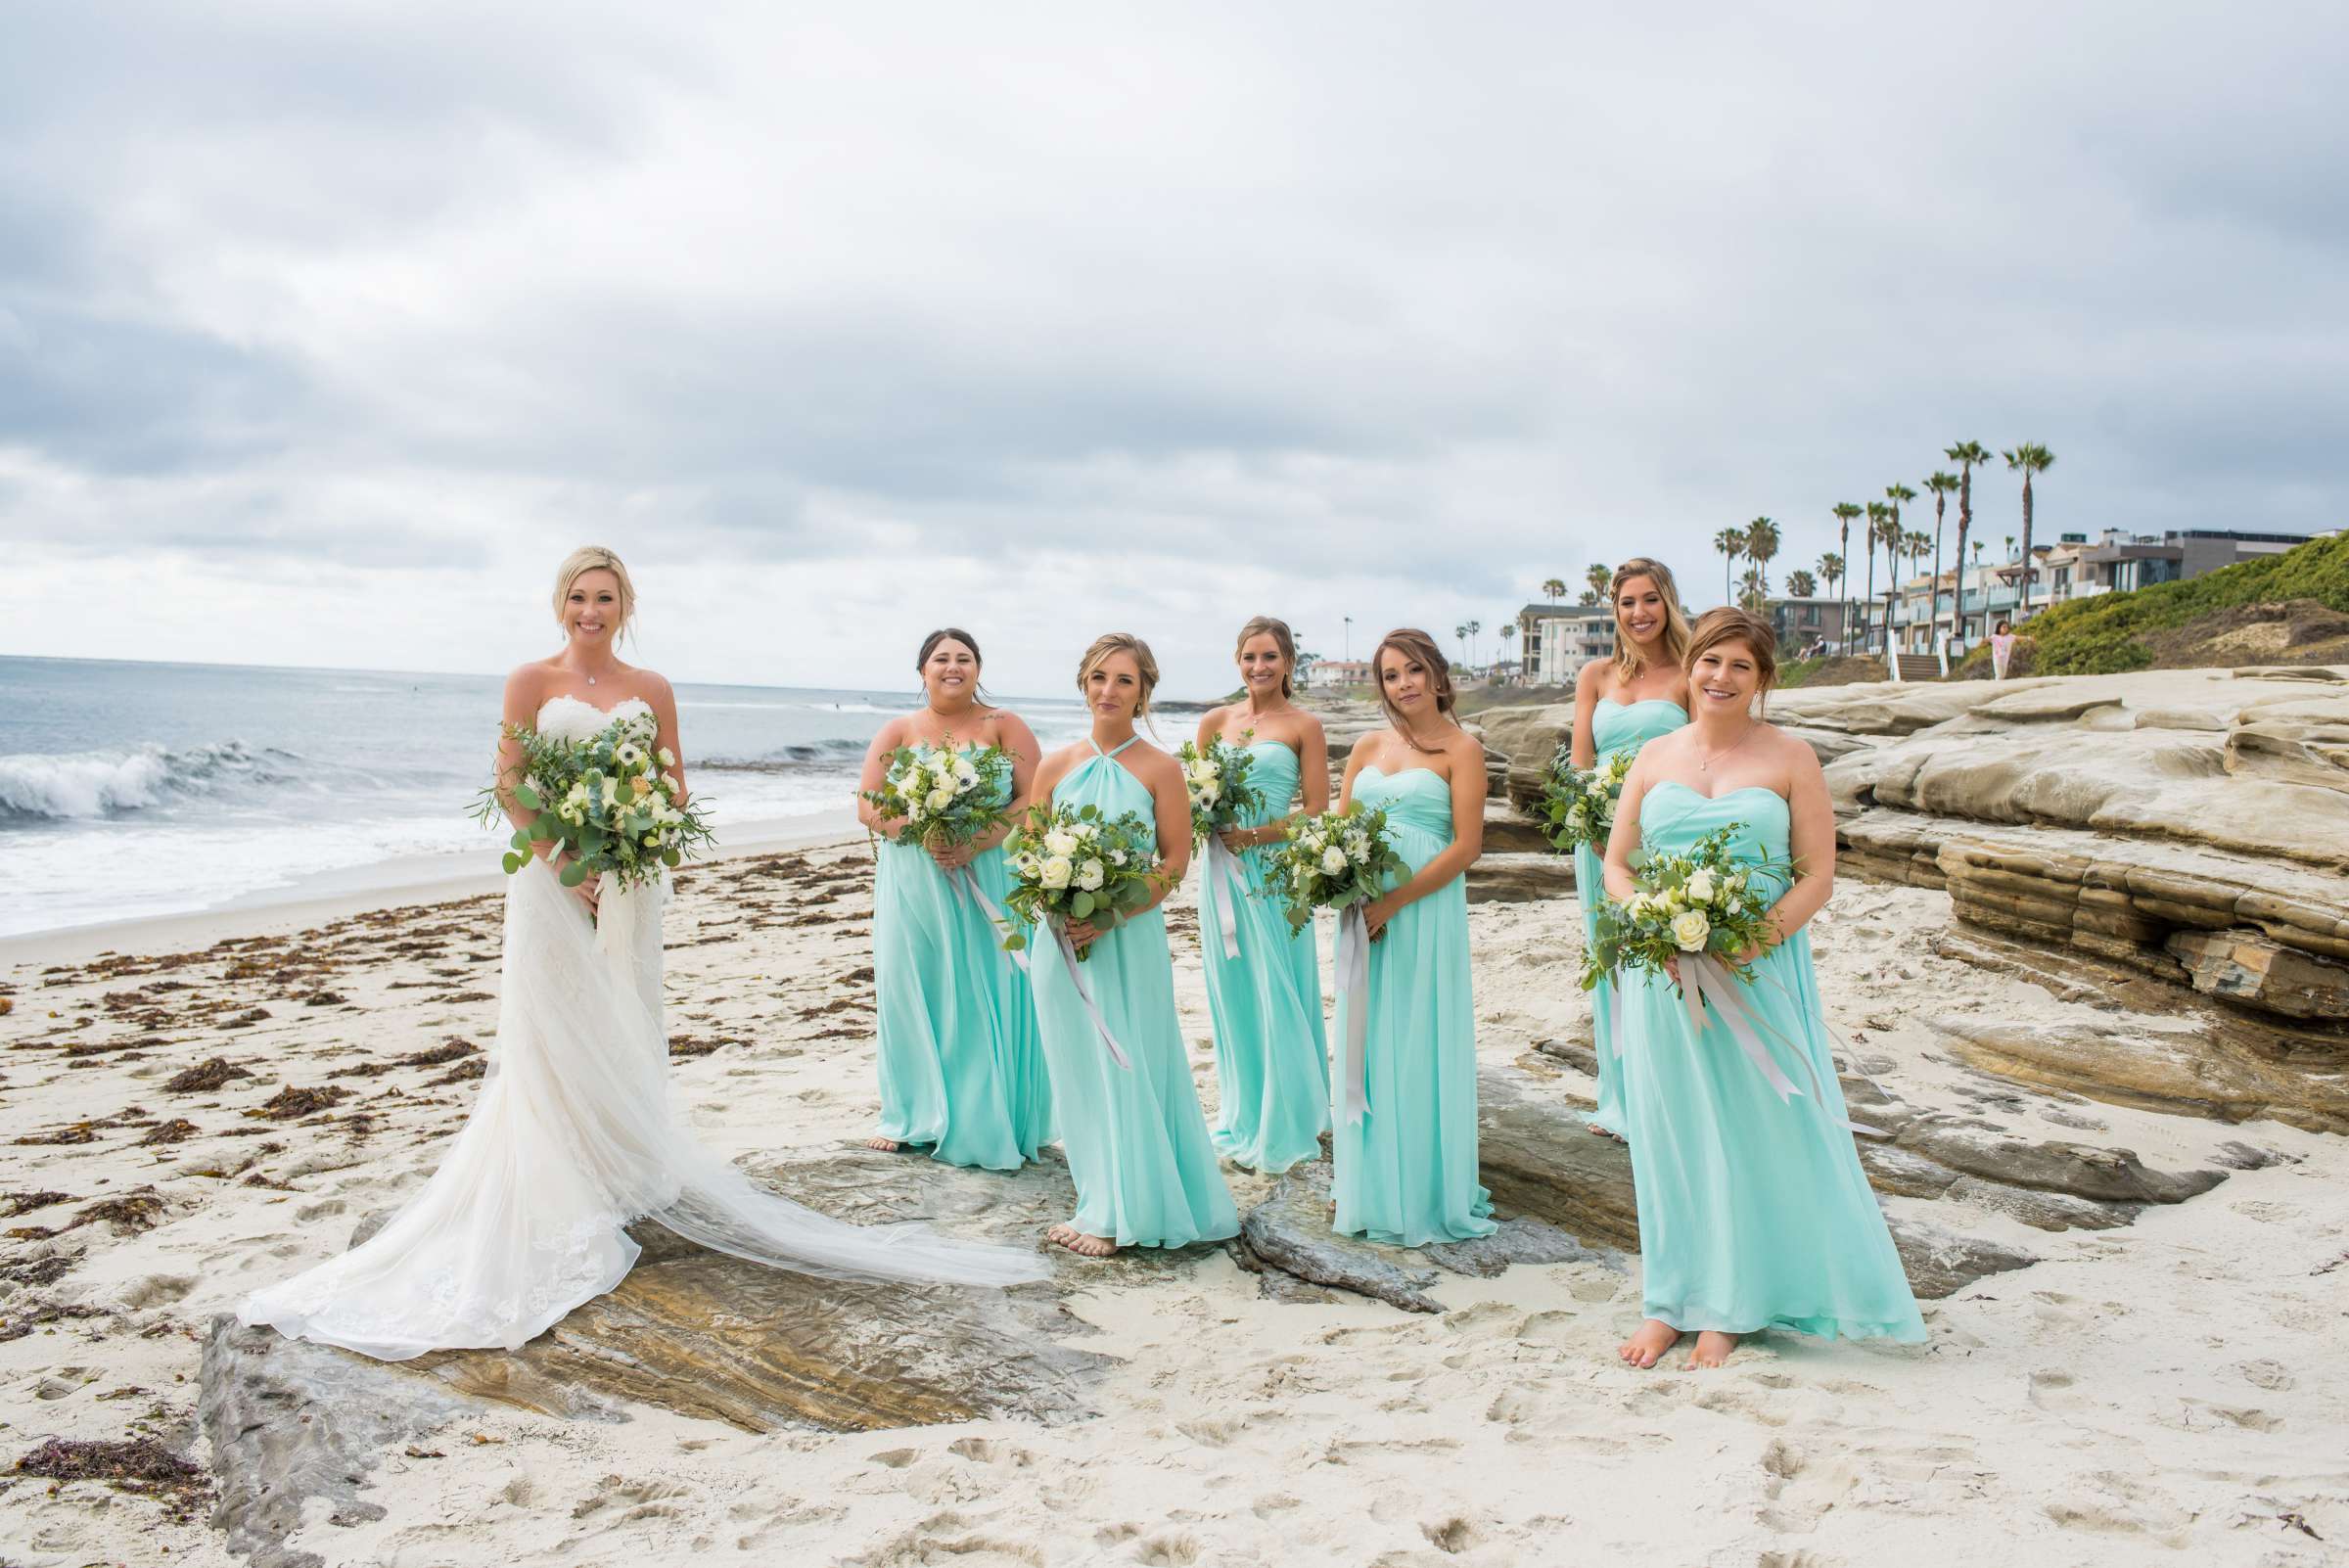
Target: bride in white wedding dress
[573, 1136]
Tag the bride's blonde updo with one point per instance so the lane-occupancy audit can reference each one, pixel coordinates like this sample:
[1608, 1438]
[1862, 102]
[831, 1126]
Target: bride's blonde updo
[595, 558]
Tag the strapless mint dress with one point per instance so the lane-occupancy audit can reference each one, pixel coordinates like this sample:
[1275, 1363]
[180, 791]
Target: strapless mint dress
[1753, 1210]
[961, 1070]
[1271, 1061]
[1406, 1173]
[1139, 1152]
[1614, 727]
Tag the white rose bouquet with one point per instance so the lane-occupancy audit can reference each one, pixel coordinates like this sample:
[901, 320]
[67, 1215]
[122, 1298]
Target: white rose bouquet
[1217, 781]
[1076, 863]
[946, 795]
[1700, 901]
[1577, 804]
[610, 800]
[1334, 861]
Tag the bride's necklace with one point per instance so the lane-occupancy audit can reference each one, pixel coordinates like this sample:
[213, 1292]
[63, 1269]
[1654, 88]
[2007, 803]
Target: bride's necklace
[1704, 765]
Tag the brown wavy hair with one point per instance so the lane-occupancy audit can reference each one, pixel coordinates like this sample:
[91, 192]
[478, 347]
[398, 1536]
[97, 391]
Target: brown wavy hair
[1278, 631]
[1413, 643]
[954, 634]
[1728, 623]
[1628, 661]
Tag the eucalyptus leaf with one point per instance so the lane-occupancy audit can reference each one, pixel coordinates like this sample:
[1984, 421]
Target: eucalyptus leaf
[512, 861]
[574, 873]
[527, 798]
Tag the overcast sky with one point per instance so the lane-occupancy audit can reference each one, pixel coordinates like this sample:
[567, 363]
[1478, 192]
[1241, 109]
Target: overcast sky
[325, 331]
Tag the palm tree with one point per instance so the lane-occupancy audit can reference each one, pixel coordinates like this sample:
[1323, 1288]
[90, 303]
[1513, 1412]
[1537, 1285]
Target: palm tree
[1761, 544]
[2031, 458]
[1508, 629]
[1845, 513]
[1799, 583]
[1474, 626]
[1730, 543]
[1966, 454]
[1830, 567]
[1461, 631]
[1877, 512]
[1898, 495]
[1553, 590]
[1588, 596]
[1940, 485]
[1977, 552]
[1755, 592]
[1601, 578]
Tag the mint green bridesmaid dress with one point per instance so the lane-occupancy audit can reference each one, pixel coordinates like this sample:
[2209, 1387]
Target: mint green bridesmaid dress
[1138, 1145]
[1406, 1173]
[962, 1071]
[1753, 1210]
[1271, 1062]
[1614, 727]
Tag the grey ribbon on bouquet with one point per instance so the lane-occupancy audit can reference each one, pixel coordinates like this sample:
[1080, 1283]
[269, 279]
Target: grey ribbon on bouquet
[1223, 863]
[1705, 979]
[963, 881]
[1354, 983]
[1085, 992]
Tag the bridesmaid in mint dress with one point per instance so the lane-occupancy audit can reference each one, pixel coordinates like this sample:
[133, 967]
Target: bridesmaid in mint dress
[1271, 1062]
[1136, 1142]
[1404, 1142]
[1620, 704]
[962, 1071]
[1754, 1212]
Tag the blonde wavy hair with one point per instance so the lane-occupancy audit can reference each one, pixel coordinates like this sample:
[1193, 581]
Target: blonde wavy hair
[595, 558]
[1628, 661]
[1121, 642]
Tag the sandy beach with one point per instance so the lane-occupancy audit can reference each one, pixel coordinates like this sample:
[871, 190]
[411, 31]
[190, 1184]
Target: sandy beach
[219, 1110]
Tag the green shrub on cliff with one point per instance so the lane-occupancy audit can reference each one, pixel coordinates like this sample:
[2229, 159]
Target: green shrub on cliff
[2105, 635]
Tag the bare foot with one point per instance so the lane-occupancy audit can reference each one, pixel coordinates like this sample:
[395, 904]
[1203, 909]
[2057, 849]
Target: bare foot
[1605, 1132]
[1713, 1348]
[885, 1145]
[1078, 1242]
[1654, 1338]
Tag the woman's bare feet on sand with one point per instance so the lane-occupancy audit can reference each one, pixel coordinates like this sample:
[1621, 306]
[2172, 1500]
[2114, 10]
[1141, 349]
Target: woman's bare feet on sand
[1713, 1348]
[1078, 1242]
[1654, 1338]
[885, 1145]
[1604, 1131]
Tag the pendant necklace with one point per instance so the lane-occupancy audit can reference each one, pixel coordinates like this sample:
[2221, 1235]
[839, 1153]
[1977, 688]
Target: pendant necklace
[1704, 765]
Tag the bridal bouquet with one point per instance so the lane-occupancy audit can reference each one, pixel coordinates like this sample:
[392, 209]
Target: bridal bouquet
[1333, 862]
[1076, 863]
[1217, 781]
[1701, 902]
[946, 795]
[605, 799]
[1577, 804]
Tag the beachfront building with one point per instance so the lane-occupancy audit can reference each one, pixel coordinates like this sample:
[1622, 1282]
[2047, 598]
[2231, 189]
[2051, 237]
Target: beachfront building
[1555, 640]
[1335, 674]
[2071, 567]
[1802, 624]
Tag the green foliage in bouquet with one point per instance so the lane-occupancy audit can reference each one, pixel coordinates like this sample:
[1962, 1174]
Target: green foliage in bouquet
[1577, 804]
[1334, 861]
[1078, 863]
[945, 795]
[605, 799]
[1218, 782]
[1702, 900]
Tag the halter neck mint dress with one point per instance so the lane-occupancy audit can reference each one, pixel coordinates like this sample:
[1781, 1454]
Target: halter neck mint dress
[1753, 1211]
[1138, 1145]
[961, 1069]
[1406, 1173]
[1271, 1061]
[1614, 727]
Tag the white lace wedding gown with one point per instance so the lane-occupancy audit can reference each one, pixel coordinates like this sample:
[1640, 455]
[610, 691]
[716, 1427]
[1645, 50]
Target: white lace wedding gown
[572, 1137]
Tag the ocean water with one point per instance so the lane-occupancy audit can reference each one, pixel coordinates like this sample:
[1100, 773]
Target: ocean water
[129, 790]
